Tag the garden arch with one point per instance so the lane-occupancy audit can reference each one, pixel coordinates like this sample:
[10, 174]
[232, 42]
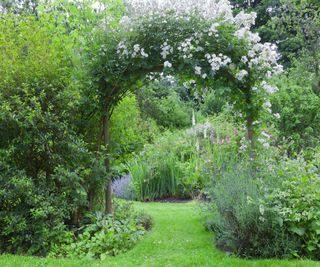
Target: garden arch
[186, 41]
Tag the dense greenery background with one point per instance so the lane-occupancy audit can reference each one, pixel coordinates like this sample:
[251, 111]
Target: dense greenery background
[56, 156]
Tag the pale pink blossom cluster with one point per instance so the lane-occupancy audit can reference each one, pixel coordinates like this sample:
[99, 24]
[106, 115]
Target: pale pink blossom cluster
[265, 139]
[217, 61]
[245, 33]
[167, 64]
[213, 29]
[267, 105]
[166, 49]
[245, 20]
[122, 49]
[136, 51]
[265, 56]
[241, 74]
[190, 84]
[190, 45]
[269, 88]
[208, 9]
[261, 57]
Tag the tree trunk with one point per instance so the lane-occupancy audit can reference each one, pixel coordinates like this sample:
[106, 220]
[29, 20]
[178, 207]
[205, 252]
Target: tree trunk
[108, 196]
[250, 135]
[108, 189]
[250, 126]
[90, 199]
[250, 131]
[92, 191]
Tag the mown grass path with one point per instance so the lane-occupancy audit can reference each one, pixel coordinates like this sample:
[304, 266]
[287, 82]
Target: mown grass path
[177, 239]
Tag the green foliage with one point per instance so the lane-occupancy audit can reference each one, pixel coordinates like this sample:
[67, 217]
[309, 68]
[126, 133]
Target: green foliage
[156, 182]
[296, 203]
[105, 234]
[267, 209]
[213, 103]
[19, 6]
[293, 25]
[296, 26]
[161, 101]
[178, 164]
[178, 239]
[129, 131]
[240, 224]
[299, 122]
[63, 71]
[46, 168]
[36, 96]
[33, 212]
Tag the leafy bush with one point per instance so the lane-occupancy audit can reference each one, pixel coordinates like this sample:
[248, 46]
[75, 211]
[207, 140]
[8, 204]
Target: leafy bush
[238, 222]
[33, 214]
[105, 234]
[297, 205]
[214, 102]
[46, 169]
[299, 122]
[268, 208]
[162, 102]
[129, 131]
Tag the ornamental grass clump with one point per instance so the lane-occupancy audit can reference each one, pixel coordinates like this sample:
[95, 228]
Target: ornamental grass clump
[156, 179]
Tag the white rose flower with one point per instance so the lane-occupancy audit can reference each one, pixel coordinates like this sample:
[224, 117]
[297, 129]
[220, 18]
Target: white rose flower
[167, 64]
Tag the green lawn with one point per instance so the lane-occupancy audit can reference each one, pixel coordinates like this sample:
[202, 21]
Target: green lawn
[177, 239]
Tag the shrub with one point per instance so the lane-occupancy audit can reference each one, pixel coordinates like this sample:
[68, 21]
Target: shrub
[213, 102]
[299, 123]
[238, 222]
[269, 208]
[129, 131]
[297, 205]
[105, 235]
[45, 166]
[162, 102]
[33, 215]
[160, 171]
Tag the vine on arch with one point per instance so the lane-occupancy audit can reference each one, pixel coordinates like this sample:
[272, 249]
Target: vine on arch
[198, 41]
